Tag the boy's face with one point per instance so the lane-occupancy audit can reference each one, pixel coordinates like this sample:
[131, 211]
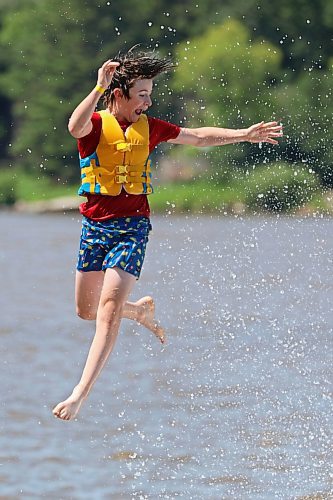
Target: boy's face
[139, 101]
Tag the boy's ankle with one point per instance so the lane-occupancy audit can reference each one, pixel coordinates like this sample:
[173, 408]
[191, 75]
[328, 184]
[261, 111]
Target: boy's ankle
[80, 392]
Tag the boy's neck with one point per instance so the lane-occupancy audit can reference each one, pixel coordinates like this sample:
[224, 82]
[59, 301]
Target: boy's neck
[120, 119]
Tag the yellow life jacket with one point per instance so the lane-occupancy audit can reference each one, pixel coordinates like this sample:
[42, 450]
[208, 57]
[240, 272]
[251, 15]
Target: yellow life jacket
[121, 160]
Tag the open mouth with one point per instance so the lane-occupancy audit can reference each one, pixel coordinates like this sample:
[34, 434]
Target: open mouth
[138, 112]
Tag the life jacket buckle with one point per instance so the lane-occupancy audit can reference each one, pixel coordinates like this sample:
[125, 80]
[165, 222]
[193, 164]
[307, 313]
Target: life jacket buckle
[121, 169]
[124, 146]
[120, 179]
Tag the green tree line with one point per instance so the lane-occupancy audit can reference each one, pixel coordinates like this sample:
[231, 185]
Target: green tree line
[237, 63]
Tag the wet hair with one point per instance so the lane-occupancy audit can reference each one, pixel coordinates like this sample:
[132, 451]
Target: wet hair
[135, 65]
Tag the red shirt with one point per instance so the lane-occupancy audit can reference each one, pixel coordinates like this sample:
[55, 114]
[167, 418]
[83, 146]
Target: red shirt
[101, 207]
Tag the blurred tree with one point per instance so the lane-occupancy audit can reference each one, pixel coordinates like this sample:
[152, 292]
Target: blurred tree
[280, 187]
[227, 81]
[226, 78]
[307, 110]
[45, 63]
[301, 28]
[5, 101]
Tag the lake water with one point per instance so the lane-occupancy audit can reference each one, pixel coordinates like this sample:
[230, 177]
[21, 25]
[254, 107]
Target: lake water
[237, 405]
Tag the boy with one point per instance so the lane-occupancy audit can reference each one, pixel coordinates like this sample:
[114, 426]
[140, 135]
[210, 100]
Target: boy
[114, 147]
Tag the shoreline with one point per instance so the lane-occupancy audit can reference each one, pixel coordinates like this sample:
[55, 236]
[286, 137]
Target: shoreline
[66, 204]
[53, 205]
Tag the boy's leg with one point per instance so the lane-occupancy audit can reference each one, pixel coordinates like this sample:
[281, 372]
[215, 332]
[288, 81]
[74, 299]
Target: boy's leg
[88, 287]
[116, 287]
[143, 312]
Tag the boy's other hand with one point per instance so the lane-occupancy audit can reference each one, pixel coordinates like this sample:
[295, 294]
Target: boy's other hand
[264, 132]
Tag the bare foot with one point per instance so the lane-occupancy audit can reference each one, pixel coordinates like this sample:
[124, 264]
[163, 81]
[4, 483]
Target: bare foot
[68, 409]
[146, 317]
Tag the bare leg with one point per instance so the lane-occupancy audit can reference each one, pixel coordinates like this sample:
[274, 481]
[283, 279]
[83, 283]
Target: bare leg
[88, 287]
[116, 288]
[143, 311]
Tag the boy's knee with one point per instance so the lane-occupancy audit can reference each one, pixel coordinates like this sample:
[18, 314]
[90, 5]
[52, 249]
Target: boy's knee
[111, 308]
[86, 314]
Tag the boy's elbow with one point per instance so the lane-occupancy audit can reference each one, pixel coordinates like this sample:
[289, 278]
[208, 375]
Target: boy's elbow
[78, 131]
[72, 129]
[75, 131]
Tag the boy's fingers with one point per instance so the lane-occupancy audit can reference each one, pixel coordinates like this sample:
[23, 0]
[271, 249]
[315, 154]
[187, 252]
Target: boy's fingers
[273, 131]
[272, 124]
[110, 64]
[113, 64]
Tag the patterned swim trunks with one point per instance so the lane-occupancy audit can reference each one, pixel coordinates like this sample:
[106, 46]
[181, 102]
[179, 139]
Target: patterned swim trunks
[113, 243]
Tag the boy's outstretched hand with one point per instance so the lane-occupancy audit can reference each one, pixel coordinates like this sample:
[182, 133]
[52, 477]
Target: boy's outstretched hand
[264, 132]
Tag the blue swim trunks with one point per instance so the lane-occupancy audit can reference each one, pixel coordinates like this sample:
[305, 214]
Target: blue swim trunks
[114, 243]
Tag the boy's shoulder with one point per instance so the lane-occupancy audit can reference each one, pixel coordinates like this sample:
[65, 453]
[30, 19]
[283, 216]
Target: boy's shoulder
[161, 130]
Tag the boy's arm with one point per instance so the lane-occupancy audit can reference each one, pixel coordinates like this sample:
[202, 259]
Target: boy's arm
[215, 136]
[80, 122]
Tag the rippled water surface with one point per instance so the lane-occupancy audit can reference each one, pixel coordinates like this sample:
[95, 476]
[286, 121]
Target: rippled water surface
[238, 405]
